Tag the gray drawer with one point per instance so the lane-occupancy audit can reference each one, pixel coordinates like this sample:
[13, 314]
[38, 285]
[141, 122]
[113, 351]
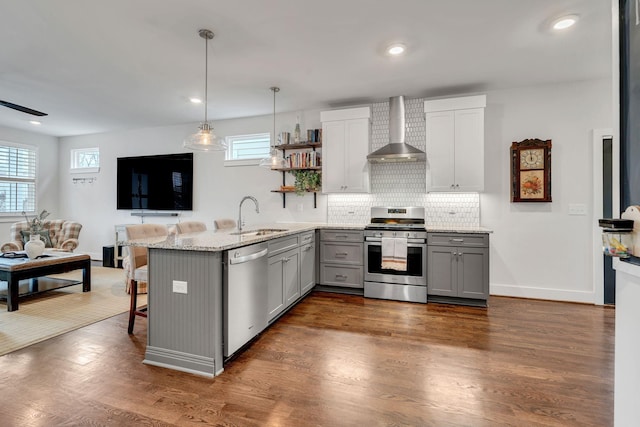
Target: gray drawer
[341, 275]
[341, 253]
[306, 237]
[342, 235]
[458, 239]
[282, 244]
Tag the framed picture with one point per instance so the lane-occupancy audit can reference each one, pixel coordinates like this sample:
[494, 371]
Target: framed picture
[531, 171]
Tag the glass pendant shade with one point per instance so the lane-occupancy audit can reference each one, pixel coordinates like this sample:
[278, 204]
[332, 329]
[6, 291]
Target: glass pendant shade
[204, 140]
[274, 161]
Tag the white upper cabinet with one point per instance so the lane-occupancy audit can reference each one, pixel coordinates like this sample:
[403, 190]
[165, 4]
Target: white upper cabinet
[455, 144]
[345, 145]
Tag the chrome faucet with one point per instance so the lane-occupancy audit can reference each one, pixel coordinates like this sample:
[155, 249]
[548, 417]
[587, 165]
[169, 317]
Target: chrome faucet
[240, 210]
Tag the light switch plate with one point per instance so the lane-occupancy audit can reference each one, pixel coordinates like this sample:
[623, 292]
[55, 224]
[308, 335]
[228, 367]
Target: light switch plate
[577, 209]
[179, 287]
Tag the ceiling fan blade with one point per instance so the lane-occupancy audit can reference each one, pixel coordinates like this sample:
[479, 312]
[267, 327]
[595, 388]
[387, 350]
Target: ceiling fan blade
[23, 109]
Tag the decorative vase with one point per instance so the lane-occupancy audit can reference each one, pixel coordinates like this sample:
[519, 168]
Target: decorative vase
[296, 134]
[34, 247]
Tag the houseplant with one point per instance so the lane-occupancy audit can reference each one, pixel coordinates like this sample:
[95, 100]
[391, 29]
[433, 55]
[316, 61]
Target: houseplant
[306, 180]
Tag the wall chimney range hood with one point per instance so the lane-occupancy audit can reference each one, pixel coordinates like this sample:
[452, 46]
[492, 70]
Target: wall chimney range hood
[397, 150]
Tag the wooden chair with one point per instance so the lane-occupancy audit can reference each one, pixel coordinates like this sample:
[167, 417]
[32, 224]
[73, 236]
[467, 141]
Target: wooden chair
[190, 227]
[138, 271]
[224, 223]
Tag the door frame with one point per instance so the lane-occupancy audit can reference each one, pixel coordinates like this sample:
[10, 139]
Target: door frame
[598, 266]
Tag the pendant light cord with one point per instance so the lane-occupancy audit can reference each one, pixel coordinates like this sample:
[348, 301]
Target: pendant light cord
[206, 75]
[274, 89]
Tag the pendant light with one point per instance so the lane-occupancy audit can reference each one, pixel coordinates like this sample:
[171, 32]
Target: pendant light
[205, 139]
[275, 160]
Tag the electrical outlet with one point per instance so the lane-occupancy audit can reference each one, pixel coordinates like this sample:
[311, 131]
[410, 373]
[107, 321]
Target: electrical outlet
[577, 209]
[179, 287]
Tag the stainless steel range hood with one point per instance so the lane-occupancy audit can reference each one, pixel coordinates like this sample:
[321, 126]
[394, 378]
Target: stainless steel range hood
[397, 150]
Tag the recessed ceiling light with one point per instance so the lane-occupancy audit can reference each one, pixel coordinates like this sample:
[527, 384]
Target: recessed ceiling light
[196, 100]
[564, 22]
[35, 122]
[396, 49]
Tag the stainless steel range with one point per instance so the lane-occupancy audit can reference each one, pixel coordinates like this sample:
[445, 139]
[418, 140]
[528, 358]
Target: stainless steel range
[395, 259]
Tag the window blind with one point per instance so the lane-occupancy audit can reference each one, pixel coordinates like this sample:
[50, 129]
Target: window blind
[17, 179]
[241, 147]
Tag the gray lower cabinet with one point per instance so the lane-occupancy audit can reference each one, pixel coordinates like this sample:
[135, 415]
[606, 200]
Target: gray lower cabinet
[342, 258]
[307, 263]
[291, 271]
[458, 268]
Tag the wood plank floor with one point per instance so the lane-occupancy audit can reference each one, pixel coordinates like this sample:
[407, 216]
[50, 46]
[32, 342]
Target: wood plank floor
[337, 360]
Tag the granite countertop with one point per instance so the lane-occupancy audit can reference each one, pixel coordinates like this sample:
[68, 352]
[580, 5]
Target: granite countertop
[222, 240]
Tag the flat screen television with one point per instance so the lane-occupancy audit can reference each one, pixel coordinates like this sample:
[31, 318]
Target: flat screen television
[163, 182]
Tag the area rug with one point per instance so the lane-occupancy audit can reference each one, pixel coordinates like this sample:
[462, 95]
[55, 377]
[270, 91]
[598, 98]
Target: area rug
[52, 313]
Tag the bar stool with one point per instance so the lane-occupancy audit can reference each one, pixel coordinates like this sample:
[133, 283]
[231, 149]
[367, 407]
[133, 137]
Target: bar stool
[224, 223]
[190, 227]
[138, 268]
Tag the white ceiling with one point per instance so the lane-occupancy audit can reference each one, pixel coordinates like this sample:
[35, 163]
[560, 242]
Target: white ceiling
[98, 66]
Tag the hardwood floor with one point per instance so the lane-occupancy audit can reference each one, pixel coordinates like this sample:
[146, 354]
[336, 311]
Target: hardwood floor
[337, 360]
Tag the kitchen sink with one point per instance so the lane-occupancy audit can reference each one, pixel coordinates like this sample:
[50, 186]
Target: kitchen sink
[260, 232]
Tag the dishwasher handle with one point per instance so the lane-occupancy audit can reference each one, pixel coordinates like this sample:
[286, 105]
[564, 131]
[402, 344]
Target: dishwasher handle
[247, 258]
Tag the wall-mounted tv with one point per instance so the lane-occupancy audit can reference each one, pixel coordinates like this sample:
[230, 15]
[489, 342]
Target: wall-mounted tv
[163, 182]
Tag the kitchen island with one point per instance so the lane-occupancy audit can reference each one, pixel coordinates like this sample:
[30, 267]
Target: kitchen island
[185, 323]
[186, 300]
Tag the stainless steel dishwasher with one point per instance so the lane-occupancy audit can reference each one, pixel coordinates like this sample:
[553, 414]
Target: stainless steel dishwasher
[245, 295]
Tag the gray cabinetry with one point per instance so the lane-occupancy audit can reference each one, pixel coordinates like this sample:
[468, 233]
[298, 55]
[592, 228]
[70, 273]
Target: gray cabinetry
[291, 271]
[307, 262]
[342, 258]
[458, 268]
[284, 274]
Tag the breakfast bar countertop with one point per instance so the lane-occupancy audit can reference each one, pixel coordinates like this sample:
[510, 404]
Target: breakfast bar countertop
[222, 240]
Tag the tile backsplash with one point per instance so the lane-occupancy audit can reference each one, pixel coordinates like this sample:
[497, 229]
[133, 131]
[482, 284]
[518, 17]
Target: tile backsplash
[441, 209]
[403, 184]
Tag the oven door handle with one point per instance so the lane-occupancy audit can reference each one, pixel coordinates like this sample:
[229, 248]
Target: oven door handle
[376, 241]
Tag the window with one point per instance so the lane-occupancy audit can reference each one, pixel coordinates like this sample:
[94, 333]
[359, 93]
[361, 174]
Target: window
[84, 160]
[17, 178]
[247, 149]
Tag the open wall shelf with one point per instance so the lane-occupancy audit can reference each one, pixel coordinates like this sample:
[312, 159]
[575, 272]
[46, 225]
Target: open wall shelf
[290, 147]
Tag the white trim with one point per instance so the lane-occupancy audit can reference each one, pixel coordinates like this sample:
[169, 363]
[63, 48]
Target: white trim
[241, 162]
[345, 114]
[84, 170]
[460, 103]
[541, 293]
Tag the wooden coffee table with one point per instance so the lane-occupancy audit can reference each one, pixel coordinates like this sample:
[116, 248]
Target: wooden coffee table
[12, 270]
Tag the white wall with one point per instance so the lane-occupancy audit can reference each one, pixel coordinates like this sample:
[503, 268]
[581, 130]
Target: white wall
[537, 249]
[217, 189]
[47, 182]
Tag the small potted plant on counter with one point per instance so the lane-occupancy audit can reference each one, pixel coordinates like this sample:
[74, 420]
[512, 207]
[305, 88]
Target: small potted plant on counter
[306, 180]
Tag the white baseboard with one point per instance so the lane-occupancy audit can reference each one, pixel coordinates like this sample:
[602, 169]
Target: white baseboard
[542, 293]
[95, 256]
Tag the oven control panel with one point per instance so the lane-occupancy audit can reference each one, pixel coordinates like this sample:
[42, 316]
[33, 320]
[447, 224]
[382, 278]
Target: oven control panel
[379, 234]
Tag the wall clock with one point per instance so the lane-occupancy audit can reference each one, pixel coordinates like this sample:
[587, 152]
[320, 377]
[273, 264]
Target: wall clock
[531, 171]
